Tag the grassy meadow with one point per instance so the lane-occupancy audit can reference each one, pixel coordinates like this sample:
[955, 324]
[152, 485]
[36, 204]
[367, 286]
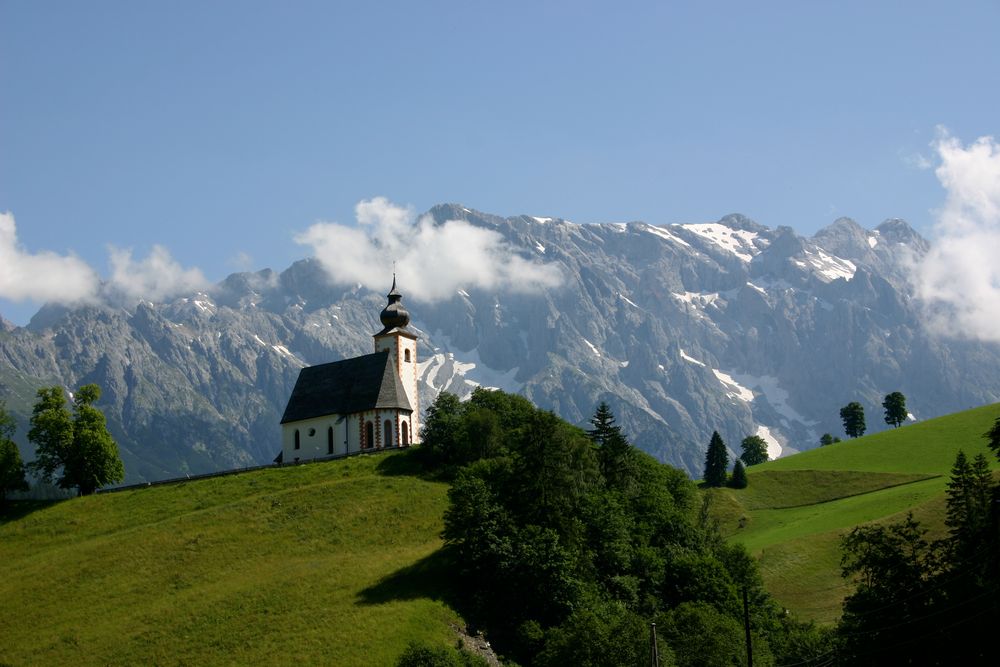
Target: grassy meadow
[795, 510]
[329, 563]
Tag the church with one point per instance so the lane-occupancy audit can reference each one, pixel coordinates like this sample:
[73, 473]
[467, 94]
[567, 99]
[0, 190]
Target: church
[361, 404]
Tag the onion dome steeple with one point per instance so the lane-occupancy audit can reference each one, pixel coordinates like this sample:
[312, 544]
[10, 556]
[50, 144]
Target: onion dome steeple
[394, 315]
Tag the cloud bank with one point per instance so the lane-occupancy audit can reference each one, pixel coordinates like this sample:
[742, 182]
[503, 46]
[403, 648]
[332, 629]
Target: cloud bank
[43, 276]
[432, 260]
[958, 281]
[47, 277]
[157, 277]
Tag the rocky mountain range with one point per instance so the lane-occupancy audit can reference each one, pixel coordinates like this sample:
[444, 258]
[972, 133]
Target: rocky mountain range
[682, 329]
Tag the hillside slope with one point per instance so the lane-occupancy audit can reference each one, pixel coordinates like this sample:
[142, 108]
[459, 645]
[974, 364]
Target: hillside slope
[795, 510]
[278, 566]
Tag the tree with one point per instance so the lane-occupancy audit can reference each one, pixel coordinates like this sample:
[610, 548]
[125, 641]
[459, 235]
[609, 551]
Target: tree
[754, 450]
[739, 480]
[993, 438]
[79, 444]
[614, 452]
[895, 409]
[828, 439]
[716, 461]
[968, 505]
[11, 466]
[897, 573]
[853, 416]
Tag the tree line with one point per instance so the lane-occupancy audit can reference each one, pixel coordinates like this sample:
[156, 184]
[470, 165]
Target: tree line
[566, 544]
[72, 448]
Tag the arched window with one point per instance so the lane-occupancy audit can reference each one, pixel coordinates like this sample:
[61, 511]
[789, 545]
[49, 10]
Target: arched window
[329, 440]
[387, 431]
[404, 439]
[369, 435]
[297, 438]
[406, 355]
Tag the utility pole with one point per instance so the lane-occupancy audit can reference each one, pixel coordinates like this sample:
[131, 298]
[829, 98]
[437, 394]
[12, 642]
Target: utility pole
[746, 627]
[654, 652]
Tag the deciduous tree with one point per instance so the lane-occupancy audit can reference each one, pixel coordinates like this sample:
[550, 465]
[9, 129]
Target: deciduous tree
[754, 450]
[716, 461]
[78, 445]
[853, 416]
[11, 465]
[828, 439]
[895, 409]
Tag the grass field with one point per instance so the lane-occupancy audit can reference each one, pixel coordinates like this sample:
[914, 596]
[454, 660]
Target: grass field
[330, 563]
[795, 510]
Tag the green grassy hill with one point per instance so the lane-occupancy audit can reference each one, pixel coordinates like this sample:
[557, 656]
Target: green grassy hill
[796, 509]
[329, 563]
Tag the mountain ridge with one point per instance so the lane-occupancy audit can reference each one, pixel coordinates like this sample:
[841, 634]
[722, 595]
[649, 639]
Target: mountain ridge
[683, 329]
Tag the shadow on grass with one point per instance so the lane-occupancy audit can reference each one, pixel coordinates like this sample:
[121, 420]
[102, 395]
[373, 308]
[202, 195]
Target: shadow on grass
[431, 577]
[412, 462]
[18, 509]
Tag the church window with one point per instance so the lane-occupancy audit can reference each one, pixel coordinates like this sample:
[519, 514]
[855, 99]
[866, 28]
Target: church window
[312, 432]
[406, 355]
[297, 438]
[404, 436]
[329, 440]
[387, 427]
[369, 435]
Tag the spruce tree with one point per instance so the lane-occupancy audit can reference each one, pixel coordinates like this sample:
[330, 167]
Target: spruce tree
[993, 438]
[716, 461]
[739, 479]
[614, 453]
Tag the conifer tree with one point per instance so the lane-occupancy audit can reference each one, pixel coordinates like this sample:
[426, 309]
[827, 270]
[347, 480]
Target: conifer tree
[739, 479]
[614, 453]
[716, 461]
[993, 438]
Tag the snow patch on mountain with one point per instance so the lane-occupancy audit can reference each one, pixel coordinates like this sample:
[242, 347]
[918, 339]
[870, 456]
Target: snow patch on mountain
[736, 241]
[830, 267]
[664, 234]
[628, 301]
[460, 372]
[733, 388]
[690, 359]
[774, 447]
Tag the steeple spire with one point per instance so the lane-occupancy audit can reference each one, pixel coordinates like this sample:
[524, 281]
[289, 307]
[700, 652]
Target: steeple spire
[394, 315]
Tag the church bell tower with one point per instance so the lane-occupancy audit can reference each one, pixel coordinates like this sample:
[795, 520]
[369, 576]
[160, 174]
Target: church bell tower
[402, 346]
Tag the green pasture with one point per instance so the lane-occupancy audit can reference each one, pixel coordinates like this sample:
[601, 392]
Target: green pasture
[329, 563]
[795, 510]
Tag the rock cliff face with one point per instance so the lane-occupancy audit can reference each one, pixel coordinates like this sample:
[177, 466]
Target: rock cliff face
[682, 329]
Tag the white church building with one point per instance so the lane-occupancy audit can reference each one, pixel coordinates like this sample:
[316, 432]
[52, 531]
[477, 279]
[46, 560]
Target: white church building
[360, 404]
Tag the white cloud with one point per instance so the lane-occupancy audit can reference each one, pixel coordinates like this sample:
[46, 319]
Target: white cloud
[43, 276]
[157, 277]
[959, 278]
[432, 260]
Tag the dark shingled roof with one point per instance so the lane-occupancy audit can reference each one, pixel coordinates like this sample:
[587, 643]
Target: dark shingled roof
[345, 387]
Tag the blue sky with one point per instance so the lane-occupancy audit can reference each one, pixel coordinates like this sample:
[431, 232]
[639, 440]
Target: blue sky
[220, 130]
